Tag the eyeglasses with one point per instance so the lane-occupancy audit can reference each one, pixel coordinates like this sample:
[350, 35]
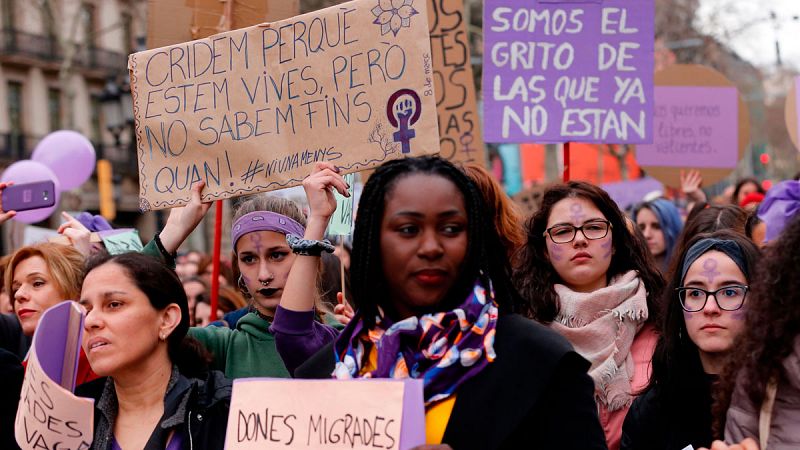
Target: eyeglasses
[594, 229]
[728, 298]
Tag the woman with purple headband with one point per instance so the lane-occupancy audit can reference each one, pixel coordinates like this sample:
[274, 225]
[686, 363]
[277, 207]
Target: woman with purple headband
[258, 238]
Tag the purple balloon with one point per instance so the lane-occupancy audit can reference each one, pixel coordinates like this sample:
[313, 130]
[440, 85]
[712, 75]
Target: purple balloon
[27, 171]
[69, 155]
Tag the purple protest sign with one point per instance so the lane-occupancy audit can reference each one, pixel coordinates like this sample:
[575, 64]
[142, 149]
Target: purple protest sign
[693, 127]
[628, 193]
[561, 71]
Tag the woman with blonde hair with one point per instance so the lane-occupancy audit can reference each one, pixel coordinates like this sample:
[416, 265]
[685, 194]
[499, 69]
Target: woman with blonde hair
[40, 276]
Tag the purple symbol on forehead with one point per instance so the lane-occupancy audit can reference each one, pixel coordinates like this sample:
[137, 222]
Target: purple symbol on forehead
[255, 238]
[577, 212]
[710, 266]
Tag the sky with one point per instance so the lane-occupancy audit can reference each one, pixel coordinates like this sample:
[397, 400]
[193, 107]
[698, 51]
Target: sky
[746, 26]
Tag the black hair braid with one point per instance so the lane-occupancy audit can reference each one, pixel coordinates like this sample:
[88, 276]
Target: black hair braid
[485, 252]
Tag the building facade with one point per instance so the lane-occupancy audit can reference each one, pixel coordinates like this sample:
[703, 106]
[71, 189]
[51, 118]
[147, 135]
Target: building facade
[57, 61]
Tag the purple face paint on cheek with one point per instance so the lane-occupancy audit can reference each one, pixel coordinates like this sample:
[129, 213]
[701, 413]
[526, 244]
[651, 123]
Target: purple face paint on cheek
[687, 315]
[739, 314]
[710, 272]
[556, 252]
[577, 212]
[608, 249]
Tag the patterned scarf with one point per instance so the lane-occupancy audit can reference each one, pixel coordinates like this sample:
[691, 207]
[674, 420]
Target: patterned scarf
[601, 326]
[443, 349]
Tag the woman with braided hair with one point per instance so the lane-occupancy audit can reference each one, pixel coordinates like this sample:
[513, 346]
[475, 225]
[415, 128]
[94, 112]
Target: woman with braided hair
[431, 283]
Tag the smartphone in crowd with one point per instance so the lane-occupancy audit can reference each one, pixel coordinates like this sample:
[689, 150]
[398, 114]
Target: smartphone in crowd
[26, 196]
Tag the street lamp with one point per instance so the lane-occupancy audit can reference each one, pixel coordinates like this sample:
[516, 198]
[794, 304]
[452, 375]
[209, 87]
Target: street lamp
[111, 104]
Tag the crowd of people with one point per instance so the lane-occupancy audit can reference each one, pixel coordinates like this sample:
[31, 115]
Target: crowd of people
[584, 326]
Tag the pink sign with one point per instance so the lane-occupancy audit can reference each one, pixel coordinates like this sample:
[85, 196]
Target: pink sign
[694, 126]
[269, 413]
[797, 103]
[49, 415]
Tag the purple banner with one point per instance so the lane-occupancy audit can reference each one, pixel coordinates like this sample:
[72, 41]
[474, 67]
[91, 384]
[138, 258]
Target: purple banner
[694, 127]
[561, 71]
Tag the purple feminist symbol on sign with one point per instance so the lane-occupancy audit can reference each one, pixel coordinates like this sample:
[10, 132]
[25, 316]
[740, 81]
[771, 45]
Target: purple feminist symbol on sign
[710, 266]
[403, 110]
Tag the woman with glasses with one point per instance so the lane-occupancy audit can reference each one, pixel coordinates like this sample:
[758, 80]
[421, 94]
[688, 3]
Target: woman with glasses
[589, 278]
[703, 313]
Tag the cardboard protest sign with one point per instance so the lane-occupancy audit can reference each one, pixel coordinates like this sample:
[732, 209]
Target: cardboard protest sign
[49, 415]
[459, 123]
[252, 110]
[341, 223]
[699, 77]
[325, 414]
[791, 113]
[121, 240]
[171, 22]
[692, 127]
[560, 71]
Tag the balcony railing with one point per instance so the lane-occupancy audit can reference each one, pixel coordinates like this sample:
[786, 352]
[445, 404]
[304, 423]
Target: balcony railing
[15, 147]
[45, 48]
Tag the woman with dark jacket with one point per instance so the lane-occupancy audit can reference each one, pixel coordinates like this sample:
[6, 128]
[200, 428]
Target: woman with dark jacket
[156, 394]
[430, 279]
[703, 313]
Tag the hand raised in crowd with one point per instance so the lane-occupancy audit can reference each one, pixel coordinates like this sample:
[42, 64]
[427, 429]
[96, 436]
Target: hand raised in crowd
[343, 311]
[747, 444]
[77, 233]
[691, 182]
[318, 187]
[184, 219]
[5, 215]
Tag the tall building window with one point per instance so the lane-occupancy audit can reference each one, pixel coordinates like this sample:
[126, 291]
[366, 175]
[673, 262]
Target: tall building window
[8, 10]
[15, 116]
[54, 108]
[97, 130]
[127, 33]
[88, 12]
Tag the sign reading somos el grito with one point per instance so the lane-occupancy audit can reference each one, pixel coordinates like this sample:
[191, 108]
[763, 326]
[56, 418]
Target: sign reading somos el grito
[560, 71]
[252, 110]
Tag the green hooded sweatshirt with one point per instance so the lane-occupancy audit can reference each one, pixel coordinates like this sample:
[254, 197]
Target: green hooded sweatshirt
[247, 351]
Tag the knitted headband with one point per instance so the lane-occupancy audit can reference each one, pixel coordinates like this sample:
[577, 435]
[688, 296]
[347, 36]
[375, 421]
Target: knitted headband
[264, 221]
[727, 246]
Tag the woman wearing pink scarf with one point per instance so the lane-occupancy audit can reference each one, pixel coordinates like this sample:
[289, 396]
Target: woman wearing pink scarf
[588, 277]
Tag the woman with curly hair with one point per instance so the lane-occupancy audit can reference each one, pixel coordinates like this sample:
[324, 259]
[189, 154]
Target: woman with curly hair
[586, 275]
[765, 402]
[702, 314]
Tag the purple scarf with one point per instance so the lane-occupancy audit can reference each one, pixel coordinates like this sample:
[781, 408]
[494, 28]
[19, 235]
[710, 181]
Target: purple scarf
[443, 349]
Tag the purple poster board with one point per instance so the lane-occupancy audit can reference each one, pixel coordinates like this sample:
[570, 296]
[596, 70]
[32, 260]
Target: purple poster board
[561, 71]
[693, 127]
[57, 342]
[629, 193]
